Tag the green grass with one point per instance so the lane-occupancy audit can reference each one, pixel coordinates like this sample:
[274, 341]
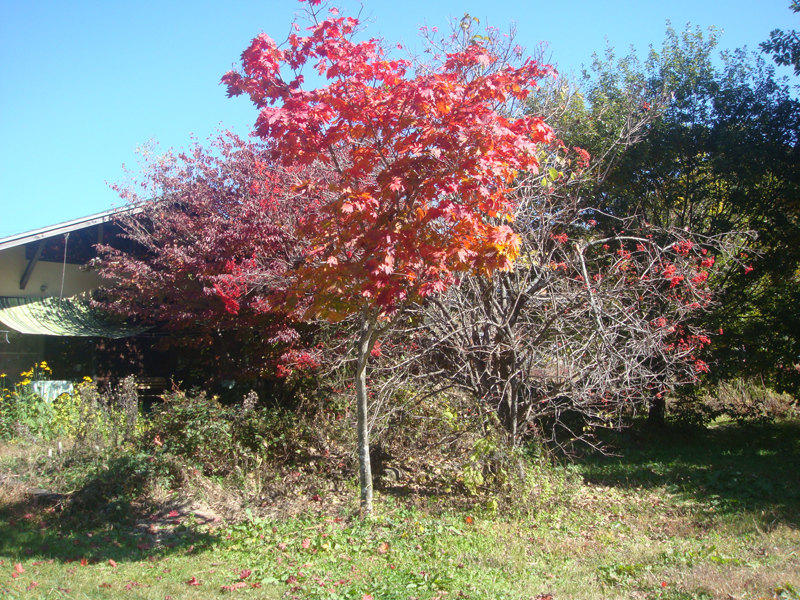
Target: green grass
[695, 516]
[728, 469]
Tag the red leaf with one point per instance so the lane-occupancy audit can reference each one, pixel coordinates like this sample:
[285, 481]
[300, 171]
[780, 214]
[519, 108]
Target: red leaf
[18, 568]
[33, 585]
[306, 543]
[234, 586]
[244, 573]
[112, 562]
[193, 581]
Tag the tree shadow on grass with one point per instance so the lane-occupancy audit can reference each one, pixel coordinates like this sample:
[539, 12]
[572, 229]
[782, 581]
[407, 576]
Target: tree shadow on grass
[103, 520]
[31, 531]
[729, 468]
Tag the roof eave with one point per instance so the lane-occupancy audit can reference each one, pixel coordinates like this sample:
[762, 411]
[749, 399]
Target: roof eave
[66, 227]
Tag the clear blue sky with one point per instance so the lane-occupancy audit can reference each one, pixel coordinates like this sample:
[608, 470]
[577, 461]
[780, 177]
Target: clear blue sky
[84, 82]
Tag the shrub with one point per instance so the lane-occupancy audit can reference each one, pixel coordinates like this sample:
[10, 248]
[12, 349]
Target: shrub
[219, 439]
[743, 400]
[748, 401]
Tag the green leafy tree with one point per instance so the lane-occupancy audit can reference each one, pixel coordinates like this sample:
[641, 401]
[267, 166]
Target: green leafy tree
[722, 157]
[785, 45]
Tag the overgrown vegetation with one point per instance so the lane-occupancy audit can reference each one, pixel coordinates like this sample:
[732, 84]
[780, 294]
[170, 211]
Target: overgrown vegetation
[195, 502]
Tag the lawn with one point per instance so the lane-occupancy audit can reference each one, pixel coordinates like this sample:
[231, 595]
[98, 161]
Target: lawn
[701, 514]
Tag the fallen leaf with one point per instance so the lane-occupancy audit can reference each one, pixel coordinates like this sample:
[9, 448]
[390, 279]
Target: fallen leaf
[193, 581]
[18, 568]
[244, 573]
[234, 586]
[112, 562]
[306, 543]
[33, 584]
[383, 548]
[107, 585]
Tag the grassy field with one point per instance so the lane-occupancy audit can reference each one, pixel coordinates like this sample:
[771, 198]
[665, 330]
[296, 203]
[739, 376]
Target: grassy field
[712, 514]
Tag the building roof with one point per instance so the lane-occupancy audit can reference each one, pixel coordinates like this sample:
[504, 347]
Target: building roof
[20, 239]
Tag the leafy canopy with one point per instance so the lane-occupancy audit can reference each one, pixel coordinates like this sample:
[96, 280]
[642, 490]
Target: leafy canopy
[423, 157]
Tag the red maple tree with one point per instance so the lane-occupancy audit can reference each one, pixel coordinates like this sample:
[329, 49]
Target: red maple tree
[418, 163]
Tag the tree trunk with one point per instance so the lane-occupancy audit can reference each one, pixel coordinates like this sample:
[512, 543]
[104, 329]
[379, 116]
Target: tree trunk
[657, 414]
[366, 341]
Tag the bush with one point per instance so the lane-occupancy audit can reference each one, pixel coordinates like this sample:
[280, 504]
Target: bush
[112, 484]
[744, 401]
[747, 401]
[219, 439]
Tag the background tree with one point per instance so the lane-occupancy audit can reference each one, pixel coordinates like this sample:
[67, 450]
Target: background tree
[785, 45]
[592, 322]
[722, 157]
[420, 167]
[197, 216]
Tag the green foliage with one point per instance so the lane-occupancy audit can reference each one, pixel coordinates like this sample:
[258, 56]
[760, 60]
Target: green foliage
[23, 413]
[721, 157]
[785, 45]
[657, 521]
[219, 439]
[745, 401]
[110, 485]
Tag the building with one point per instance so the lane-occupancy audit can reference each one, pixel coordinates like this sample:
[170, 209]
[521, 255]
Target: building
[44, 289]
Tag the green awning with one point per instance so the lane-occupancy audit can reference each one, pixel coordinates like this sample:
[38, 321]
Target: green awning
[67, 318]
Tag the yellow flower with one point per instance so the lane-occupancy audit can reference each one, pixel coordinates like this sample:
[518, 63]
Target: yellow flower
[87, 379]
[3, 375]
[25, 382]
